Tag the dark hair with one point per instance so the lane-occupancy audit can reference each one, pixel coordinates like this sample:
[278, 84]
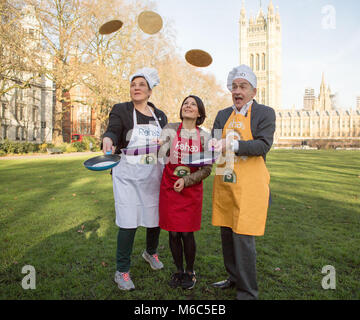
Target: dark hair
[201, 109]
[143, 78]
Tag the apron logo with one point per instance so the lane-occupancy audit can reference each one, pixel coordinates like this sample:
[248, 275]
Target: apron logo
[229, 176]
[236, 125]
[148, 159]
[148, 132]
[182, 171]
[186, 147]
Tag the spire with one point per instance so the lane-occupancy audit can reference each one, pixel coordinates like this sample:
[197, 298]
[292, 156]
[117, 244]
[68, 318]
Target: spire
[271, 8]
[277, 14]
[243, 11]
[251, 20]
[260, 16]
[322, 86]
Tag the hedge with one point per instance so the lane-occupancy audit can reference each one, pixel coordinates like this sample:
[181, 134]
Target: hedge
[12, 147]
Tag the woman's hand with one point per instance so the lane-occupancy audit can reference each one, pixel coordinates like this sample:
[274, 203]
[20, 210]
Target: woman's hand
[179, 185]
[157, 141]
[108, 145]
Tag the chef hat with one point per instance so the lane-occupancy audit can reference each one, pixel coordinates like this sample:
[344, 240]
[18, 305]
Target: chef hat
[150, 75]
[241, 72]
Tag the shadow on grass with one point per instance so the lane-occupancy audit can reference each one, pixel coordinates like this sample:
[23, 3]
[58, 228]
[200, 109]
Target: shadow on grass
[80, 264]
[305, 231]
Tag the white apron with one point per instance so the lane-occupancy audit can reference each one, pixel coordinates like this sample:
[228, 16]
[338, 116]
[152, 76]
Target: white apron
[136, 181]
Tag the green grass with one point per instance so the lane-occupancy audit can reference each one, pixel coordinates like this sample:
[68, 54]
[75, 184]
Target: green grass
[314, 221]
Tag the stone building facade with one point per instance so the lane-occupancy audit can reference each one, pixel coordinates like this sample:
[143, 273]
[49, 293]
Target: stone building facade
[27, 114]
[260, 48]
[320, 117]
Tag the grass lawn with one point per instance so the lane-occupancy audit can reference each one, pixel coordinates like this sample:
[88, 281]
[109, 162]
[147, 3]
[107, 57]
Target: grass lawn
[59, 217]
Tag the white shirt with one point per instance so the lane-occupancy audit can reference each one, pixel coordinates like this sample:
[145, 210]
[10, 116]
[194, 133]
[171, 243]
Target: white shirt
[243, 111]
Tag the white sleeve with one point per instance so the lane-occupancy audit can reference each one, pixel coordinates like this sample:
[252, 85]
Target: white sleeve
[235, 146]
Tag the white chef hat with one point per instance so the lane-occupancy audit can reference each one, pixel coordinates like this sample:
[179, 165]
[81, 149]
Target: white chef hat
[242, 72]
[150, 75]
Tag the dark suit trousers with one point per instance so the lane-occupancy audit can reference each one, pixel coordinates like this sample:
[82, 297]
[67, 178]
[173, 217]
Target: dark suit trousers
[239, 254]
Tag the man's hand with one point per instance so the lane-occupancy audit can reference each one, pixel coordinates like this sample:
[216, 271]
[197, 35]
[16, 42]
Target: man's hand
[217, 145]
[108, 145]
[179, 185]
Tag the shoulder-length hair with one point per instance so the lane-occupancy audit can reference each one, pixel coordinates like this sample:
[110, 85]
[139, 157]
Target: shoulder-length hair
[201, 108]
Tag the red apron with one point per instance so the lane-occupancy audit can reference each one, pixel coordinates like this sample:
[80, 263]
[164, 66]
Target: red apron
[180, 212]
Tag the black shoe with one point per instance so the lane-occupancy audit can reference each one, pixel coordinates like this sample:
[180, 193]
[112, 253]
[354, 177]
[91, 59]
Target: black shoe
[225, 284]
[188, 281]
[176, 280]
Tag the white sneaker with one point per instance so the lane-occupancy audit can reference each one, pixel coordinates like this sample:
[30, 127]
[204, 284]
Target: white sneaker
[124, 281]
[153, 260]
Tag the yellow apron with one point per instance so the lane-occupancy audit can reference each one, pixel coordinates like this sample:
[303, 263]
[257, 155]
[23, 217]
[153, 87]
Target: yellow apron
[241, 195]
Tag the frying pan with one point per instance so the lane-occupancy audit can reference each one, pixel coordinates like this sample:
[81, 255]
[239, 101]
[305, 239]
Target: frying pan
[139, 150]
[101, 163]
[200, 159]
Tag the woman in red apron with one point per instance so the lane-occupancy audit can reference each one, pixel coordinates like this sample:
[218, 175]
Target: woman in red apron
[181, 189]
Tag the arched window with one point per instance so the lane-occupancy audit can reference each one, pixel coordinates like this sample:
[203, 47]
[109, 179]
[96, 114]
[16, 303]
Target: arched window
[17, 137]
[263, 61]
[23, 133]
[35, 134]
[252, 61]
[257, 62]
[4, 128]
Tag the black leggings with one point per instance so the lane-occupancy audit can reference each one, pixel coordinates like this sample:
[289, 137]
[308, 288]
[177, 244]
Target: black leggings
[183, 242]
[125, 243]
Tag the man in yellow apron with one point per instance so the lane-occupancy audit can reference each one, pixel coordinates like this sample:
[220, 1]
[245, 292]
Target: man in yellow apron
[241, 192]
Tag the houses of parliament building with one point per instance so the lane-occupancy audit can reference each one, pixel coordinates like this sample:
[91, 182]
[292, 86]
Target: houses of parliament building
[320, 118]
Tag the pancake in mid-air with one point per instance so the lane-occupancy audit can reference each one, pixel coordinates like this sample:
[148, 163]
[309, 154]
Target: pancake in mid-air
[150, 22]
[198, 58]
[110, 27]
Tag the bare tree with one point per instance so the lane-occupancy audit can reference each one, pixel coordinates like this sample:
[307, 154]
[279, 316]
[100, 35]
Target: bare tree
[179, 79]
[77, 55]
[61, 26]
[20, 52]
[111, 59]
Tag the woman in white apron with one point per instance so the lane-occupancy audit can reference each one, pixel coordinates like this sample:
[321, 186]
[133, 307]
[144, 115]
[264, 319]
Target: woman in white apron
[136, 179]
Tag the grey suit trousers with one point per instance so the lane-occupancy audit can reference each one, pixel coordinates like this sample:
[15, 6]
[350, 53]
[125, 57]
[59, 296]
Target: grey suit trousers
[239, 254]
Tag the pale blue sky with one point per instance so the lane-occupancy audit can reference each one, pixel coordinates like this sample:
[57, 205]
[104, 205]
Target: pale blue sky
[308, 48]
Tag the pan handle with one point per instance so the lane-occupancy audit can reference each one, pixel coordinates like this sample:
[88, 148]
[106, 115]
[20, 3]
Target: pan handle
[108, 152]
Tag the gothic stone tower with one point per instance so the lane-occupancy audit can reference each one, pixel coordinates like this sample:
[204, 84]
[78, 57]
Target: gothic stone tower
[260, 48]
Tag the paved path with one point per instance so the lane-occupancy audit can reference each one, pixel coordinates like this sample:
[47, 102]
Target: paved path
[50, 156]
